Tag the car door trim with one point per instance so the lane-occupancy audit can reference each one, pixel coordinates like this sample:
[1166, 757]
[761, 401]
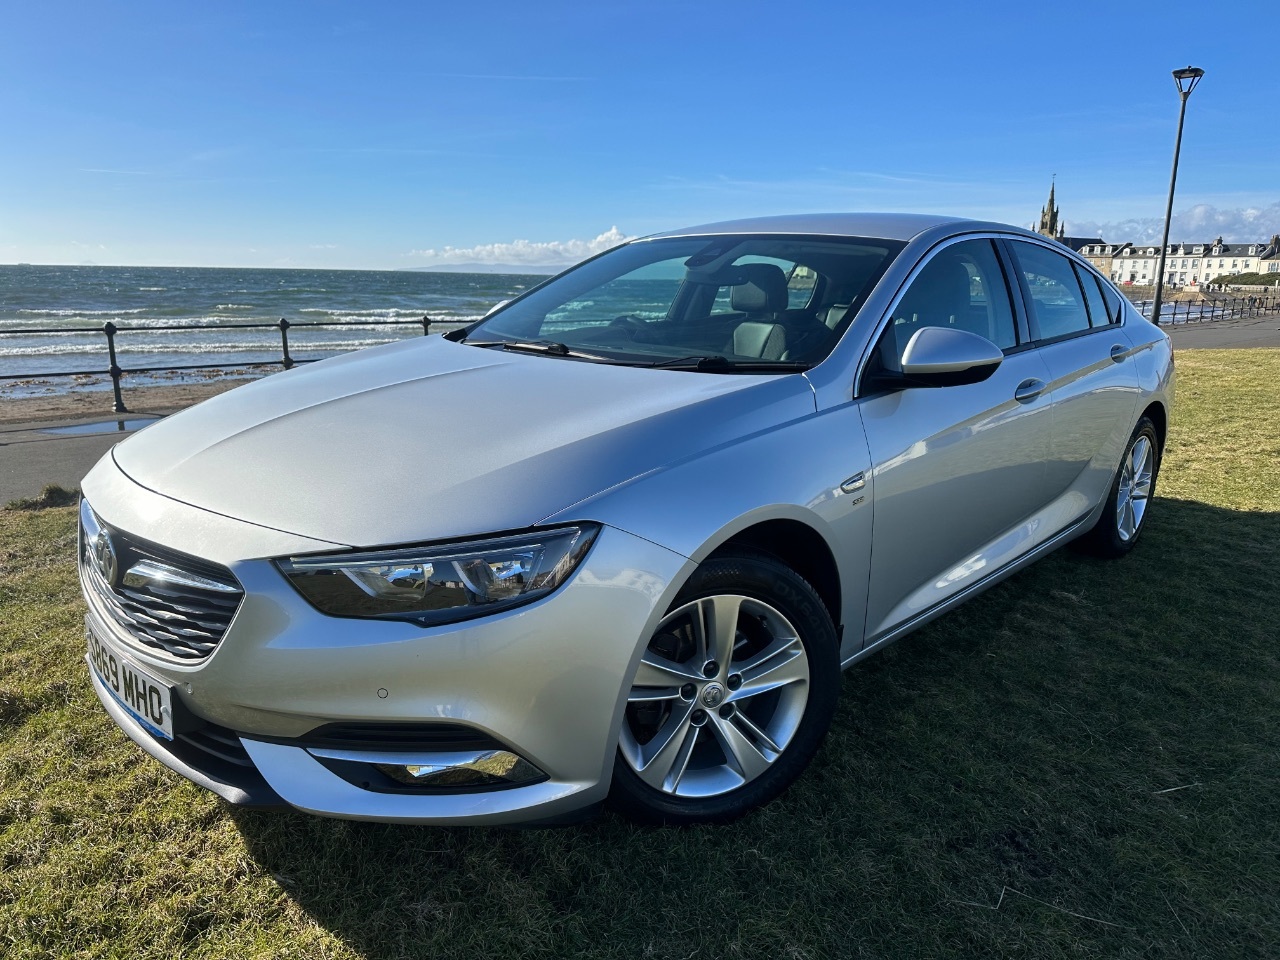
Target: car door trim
[871, 645]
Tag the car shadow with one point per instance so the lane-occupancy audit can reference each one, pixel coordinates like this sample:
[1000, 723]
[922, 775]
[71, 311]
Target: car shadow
[1025, 740]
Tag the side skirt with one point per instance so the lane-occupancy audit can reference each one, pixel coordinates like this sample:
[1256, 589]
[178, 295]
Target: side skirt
[919, 620]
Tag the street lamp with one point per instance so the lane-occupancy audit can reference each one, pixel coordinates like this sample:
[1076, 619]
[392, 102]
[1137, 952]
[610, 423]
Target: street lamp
[1186, 80]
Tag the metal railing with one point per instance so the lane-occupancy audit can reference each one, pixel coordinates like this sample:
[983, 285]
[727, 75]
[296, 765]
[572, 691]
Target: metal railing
[1212, 309]
[115, 371]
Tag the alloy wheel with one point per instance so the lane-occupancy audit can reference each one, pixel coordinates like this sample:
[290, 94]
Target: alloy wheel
[719, 694]
[1135, 488]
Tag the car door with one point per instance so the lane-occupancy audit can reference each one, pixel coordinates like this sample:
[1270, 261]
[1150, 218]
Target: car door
[1093, 378]
[959, 471]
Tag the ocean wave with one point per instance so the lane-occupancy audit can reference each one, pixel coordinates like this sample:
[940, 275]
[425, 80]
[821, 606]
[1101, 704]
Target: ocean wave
[299, 346]
[393, 312]
[143, 326]
[235, 306]
[152, 289]
[79, 313]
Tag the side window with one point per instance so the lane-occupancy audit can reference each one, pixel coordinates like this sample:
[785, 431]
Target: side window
[1098, 316]
[1056, 299]
[1112, 300]
[961, 286]
[800, 287]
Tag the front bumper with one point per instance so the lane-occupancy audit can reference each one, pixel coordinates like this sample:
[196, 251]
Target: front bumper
[546, 680]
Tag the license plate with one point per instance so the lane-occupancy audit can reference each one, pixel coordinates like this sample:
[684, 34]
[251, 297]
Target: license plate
[146, 699]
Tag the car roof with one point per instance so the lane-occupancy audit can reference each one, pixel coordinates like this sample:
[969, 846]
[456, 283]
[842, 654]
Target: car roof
[886, 226]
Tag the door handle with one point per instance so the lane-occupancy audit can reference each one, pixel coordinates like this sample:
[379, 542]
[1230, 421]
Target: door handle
[1118, 353]
[854, 483]
[1028, 390]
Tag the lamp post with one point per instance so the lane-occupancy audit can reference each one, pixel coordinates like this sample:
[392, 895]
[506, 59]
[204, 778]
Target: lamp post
[1186, 80]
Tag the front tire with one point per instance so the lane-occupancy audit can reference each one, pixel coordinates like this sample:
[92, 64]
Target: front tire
[733, 695]
[1125, 513]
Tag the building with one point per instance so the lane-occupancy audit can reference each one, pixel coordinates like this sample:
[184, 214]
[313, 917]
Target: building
[1270, 262]
[1052, 226]
[1192, 264]
[1186, 264]
[1100, 254]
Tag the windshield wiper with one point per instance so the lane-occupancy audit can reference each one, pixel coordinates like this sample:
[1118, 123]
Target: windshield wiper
[552, 347]
[716, 363]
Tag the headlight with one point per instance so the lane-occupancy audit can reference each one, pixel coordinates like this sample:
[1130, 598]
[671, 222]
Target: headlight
[444, 583]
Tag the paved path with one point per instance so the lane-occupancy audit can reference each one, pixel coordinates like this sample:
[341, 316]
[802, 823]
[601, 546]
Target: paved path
[31, 457]
[1225, 334]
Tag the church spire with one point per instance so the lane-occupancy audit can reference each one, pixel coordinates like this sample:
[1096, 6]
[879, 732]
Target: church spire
[1049, 226]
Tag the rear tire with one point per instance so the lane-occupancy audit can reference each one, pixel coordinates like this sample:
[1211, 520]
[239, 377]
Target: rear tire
[732, 697]
[1125, 513]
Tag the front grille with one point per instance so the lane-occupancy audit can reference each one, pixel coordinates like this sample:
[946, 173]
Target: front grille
[166, 601]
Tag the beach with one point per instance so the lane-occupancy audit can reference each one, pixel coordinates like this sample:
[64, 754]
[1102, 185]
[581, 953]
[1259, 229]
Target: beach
[96, 404]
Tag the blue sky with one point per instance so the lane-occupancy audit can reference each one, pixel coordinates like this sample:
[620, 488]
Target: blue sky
[395, 135]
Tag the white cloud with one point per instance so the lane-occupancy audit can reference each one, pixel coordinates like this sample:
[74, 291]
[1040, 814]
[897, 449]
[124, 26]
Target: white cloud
[539, 253]
[1200, 223]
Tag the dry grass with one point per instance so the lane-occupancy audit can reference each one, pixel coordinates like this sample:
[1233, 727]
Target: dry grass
[1079, 763]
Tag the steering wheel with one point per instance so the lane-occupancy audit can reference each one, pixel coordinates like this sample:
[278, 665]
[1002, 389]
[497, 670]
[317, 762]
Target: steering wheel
[630, 324]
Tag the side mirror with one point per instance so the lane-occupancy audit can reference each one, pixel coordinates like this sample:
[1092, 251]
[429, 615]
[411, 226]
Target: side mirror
[947, 357]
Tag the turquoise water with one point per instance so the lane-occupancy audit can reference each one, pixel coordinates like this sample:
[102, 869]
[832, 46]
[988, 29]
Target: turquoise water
[139, 299]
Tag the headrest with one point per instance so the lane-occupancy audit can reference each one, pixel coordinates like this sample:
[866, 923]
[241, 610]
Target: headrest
[763, 290]
[765, 340]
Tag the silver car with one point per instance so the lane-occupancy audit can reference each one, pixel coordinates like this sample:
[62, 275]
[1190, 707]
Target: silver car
[619, 538]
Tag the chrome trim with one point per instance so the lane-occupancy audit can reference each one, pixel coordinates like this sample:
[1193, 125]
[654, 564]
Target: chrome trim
[156, 608]
[439, 769]
[854, 483]
[145, 572]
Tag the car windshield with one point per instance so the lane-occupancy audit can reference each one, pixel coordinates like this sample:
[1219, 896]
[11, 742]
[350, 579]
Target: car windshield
[727, 303]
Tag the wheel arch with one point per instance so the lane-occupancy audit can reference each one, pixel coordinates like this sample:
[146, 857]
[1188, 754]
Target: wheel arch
[796, 544]
[1159, 416]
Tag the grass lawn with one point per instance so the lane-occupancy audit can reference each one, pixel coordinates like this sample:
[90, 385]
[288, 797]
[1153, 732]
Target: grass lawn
[1082, 762]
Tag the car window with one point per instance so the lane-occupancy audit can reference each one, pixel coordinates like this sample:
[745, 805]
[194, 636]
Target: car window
[1098, 316]
[1056, 299]
[734, 299]
[800, 286]
[1111, 298]
[961, 286]
[645, 293]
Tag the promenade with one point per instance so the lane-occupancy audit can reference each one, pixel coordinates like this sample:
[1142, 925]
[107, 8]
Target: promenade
[58, 439]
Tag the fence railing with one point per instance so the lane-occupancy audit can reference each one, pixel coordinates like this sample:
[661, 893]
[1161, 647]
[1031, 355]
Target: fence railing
[1211, 309]
[1172, 312]
[110, 331]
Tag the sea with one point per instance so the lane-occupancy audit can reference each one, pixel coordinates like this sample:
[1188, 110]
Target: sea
[51, 318]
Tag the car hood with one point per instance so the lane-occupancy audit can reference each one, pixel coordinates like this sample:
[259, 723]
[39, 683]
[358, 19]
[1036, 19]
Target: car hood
[429, 439]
